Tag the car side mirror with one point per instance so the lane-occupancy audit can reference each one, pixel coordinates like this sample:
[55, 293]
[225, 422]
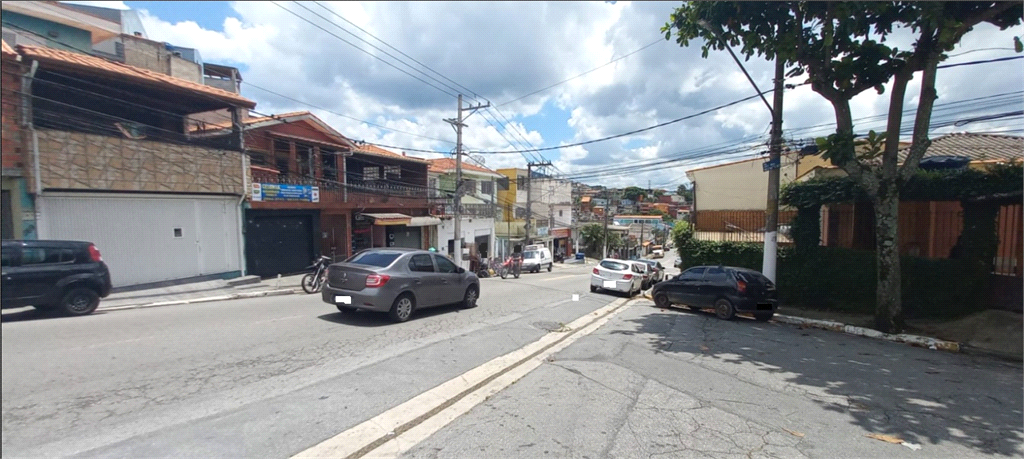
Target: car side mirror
[460, 270]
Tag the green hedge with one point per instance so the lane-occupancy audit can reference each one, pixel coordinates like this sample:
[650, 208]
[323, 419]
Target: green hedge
[844, 279]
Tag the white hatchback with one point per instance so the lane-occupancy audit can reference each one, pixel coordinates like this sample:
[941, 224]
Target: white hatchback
[616, 275]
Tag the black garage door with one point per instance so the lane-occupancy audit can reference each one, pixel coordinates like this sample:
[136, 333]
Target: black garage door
[279, 242]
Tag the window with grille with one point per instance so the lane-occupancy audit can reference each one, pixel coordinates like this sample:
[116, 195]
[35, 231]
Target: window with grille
[486, 187]
[371, 173]
[392, 172]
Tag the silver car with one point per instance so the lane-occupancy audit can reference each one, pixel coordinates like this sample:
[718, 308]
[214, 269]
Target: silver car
[616, 275]
[398, 281]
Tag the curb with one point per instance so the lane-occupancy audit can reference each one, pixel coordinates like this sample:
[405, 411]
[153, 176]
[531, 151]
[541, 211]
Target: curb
[913, 340]
[206, 299]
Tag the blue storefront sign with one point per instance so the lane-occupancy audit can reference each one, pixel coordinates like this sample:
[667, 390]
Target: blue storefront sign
[281, 192]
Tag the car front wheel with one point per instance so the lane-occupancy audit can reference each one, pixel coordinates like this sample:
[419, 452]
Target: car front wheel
[549, 267]
[661, 300]
[472, 295]
[763, 316]
[79, 302]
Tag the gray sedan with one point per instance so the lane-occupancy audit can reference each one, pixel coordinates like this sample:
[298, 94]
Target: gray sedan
[398, 281]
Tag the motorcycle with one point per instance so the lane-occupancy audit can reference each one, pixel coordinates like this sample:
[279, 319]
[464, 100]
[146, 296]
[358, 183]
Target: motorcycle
[314, 281]
[513, 264]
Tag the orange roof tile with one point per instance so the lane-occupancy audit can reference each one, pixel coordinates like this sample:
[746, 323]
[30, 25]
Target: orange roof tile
[375, 150]
[136, 74]
[7, 50]
[448, 164]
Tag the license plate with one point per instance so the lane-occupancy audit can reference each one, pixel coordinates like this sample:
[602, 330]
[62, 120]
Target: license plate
[342, 299]
[609, 284]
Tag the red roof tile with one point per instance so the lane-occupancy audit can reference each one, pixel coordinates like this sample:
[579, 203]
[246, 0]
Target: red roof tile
[375, 150]
[135, 74]
[448, 165]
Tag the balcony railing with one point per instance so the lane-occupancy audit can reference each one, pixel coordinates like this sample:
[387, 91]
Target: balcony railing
[378, 187]
[441, 206]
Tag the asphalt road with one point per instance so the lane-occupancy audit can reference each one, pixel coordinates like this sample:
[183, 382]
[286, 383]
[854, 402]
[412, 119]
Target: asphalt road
[271, 377]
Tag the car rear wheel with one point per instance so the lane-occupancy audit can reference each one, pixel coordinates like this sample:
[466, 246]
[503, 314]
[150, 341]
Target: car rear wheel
[724, 309]
[661, 300]
[79, 302]
[593, 289]
[345, 309]
[402, 308]
[472, 294]
[763, 316]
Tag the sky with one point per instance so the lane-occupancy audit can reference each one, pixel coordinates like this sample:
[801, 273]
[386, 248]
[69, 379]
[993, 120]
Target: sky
[339, 59]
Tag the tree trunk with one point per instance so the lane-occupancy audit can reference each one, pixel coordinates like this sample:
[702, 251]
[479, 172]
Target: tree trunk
[888, 304]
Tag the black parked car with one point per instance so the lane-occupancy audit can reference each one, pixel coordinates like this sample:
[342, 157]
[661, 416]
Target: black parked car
[727, 289]
[67, 276]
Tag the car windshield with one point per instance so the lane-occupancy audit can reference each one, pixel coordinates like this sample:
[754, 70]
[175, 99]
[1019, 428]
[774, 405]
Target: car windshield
[531, 255]
[380, 259]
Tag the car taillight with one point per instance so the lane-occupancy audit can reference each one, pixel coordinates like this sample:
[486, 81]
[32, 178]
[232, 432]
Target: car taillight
[596, 271]
[94, 253]
[627, 276]
[741, 286]
[377, 280]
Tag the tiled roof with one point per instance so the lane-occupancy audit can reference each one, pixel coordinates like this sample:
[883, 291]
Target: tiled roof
[258, 119]
[375, 150]
[448, 165]
[135, 74]
[977, 147]
[7, 50]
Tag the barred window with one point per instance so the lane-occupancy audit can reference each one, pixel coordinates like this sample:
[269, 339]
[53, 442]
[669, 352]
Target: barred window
[371, 173]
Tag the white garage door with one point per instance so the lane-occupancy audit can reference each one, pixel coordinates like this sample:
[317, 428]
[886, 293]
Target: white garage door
[146, 238]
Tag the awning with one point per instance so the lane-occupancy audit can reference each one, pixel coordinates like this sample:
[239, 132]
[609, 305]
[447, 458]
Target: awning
[389, 219]
[424, 221]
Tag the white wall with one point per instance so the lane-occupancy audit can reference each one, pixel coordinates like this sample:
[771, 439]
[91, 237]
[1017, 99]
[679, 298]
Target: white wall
[470, 228]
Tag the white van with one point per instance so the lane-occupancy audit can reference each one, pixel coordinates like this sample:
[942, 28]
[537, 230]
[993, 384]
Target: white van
[657, 251]
[536, 257]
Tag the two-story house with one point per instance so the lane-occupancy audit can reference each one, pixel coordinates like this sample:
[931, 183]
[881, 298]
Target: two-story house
[108, 159]
[314, 191]
[477, 213]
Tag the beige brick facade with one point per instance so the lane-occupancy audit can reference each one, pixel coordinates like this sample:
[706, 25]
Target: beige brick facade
[72, 160]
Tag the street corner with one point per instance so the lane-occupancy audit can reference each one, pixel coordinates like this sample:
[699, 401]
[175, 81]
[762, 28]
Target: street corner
[913, 340]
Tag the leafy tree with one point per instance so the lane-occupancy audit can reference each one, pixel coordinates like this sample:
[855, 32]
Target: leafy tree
[841, 48]
[633, 193]
[681, 234]
[685, 191]
[593, 238]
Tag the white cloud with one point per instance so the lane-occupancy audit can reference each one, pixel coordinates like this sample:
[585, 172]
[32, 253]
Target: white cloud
[503, 50]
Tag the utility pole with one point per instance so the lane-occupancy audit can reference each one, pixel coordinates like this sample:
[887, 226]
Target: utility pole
[529, 199]
[771, 235]
[607, 208]
[457, 205]
[771, 227]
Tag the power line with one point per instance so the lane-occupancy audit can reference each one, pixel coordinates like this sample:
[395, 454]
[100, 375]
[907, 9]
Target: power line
[360, 49]
[659, 40]
[396, 49]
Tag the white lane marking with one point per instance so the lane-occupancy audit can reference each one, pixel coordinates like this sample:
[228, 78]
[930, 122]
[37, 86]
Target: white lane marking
[384, 425]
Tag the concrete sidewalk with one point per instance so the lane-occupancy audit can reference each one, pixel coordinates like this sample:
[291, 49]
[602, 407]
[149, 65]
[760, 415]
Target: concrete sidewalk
[199, 292]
